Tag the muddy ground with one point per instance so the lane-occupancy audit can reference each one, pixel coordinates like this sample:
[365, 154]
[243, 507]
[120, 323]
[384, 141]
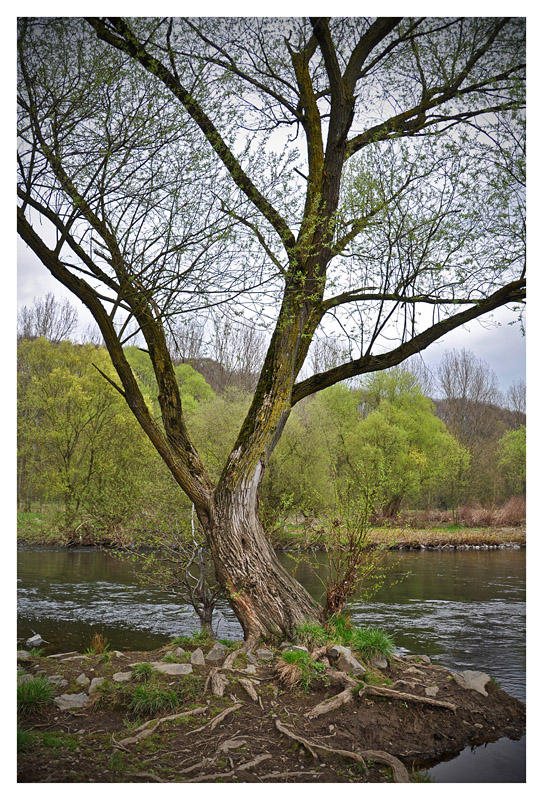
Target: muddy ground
[266, 737]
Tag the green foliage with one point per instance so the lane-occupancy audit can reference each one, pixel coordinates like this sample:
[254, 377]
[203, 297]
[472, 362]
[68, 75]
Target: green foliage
[368, 642]
[512, 459]
[34, 693]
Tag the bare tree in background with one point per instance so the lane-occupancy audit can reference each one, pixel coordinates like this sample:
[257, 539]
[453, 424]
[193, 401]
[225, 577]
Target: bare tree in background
[516, 401]
[54, 319]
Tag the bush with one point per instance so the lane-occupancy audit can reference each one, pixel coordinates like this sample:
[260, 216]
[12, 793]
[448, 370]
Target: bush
[142, 672]
[33, 694]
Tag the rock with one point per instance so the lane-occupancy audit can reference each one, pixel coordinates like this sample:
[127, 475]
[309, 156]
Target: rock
[122, 677]
[82, 680]
[217, 653]
[346, 662]
[172, 669]
[284, 645]
[118, 654]
[95, 685]
[264, 654]
[250, 669]
[75, 658]
[179, 652]
[431, 691]
[23, 655]
[58, 680]
[67, 701]
[251, 658]
[379, 661]
[61, 655]
[197, 658]
[23, 678]
[419, 659]
[35, 641]
[470, 679]
[296, 648]
[337, 649]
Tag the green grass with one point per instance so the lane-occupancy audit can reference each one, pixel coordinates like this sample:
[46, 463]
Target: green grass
[37, 652]
[25, 739]
[57, 740]
[420, 776]
[306, 670]
[371, 642]
[142, 672]
[170, 658]
[33, 694]
[367, 642]
[150, 700]
[199, 637]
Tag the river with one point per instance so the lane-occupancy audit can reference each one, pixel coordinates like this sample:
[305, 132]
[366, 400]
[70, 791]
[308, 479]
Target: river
[465, 609]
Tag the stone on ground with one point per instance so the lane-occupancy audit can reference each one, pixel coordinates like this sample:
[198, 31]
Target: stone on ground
[172, 669]
[67, 701]
[82, 680]
[122, 677]
[264, 654]
[197, 658]
[471, 679]
[95, 685]
[217, 653]
[346, 662]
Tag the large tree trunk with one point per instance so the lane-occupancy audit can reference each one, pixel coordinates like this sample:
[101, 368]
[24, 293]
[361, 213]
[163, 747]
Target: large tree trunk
[266, 599]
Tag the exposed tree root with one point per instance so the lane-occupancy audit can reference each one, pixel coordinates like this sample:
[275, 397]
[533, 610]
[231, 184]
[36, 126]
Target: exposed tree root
[381, 691]
[219, 683]
[148, 775]
[240, 768]
[249, 688]
[218, 718]
[399, 772]
[331, 703]
[150, 727]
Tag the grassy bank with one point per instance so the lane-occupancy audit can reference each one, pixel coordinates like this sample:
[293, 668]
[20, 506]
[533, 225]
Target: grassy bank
[39, 528]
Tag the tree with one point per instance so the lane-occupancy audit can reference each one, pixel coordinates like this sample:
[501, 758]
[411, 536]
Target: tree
[161, 155]
[48, 317]
[512, 459]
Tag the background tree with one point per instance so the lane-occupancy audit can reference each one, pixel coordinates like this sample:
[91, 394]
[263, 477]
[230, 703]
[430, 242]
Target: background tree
[54, 319]
[399, 200]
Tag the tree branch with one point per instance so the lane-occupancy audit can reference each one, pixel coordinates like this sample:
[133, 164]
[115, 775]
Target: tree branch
[512, 292]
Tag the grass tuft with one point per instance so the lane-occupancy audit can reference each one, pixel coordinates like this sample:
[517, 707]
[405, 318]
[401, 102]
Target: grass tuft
[33, 694]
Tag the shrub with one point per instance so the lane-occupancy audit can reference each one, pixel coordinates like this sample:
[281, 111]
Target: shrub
[34, 693]
[99, 644]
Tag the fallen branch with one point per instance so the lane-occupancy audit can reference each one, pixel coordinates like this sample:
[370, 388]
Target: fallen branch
[383, 692]
[218, 718]
[146, 730]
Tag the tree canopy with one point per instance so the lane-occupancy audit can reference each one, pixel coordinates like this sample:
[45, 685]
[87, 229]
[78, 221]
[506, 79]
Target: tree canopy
[298, 174]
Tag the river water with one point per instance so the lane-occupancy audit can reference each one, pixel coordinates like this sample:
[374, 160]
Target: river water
[465, 609]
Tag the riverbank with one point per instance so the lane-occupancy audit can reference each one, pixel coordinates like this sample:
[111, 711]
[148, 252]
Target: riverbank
[36, 529]
[195, 711]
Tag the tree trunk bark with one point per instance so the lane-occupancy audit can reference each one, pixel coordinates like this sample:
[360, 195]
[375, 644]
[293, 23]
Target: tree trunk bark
[266, 599]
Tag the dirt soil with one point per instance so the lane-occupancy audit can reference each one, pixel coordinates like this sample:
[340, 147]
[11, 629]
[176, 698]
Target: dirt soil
[264, 738]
